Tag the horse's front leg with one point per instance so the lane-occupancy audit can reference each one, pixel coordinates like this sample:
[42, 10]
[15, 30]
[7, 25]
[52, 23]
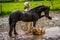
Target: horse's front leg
[34, 23]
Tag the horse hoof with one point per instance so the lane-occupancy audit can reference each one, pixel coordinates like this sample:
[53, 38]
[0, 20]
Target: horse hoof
[16, 33]
[10, 35]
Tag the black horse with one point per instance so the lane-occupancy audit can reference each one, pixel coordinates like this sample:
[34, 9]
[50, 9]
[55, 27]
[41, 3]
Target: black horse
[31, 16]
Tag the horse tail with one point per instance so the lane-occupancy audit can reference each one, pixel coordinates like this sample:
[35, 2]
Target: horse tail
[10, 20]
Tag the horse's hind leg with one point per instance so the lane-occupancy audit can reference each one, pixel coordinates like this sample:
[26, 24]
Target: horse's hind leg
[15, 29]
[12, 26]
[10, 31]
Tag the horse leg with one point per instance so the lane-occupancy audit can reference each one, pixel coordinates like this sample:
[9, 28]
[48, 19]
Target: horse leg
[34, 23]
[15, 29]
[12, 26]
[10, 31]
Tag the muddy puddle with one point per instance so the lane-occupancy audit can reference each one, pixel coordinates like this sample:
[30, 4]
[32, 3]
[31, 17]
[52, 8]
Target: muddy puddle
[52, 29]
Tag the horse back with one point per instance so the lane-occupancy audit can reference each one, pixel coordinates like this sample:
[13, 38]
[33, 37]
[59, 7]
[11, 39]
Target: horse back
[16, 15]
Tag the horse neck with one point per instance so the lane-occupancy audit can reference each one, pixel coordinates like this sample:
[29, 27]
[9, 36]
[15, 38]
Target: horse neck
[39, 13]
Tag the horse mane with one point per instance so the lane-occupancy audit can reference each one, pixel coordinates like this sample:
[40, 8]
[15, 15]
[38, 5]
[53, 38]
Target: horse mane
[36, 7]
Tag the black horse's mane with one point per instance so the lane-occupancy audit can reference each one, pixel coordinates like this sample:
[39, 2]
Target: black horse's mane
[36, 8]
[31, 10]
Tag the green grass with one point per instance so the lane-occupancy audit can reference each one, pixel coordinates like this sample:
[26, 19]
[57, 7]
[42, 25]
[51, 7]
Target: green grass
[8, 7]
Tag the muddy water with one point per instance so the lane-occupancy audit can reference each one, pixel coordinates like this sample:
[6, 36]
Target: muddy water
[41, 23]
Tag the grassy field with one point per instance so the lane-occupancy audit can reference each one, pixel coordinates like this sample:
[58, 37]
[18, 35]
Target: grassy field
[11, 6]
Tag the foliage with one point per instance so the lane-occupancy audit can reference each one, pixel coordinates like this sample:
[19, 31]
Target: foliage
[8, 7]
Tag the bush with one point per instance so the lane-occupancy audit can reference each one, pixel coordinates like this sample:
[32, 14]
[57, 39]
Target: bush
[49, 0]
[7, 8]
[55, 9]
[38, 0]
[5, 13]
[35, 0]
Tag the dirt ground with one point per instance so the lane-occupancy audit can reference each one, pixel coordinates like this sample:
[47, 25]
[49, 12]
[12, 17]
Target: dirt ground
[41, 23]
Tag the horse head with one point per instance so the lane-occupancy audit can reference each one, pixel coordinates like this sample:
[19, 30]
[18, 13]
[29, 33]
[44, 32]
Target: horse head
[44, 9]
